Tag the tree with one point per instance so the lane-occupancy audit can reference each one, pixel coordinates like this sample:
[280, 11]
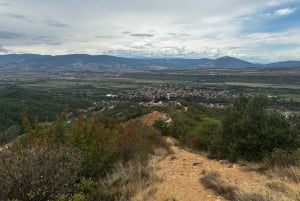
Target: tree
[251, 130]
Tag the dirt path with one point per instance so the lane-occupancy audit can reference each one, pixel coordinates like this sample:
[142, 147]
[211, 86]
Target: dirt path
[149, 119]
[182, 170]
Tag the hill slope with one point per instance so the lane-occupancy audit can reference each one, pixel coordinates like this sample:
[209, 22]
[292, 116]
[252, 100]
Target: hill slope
[97, 62]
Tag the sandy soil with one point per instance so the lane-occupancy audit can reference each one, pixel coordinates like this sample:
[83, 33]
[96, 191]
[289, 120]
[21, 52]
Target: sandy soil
[182, 170]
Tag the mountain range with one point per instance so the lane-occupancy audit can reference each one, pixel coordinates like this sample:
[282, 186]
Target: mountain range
[97, 62]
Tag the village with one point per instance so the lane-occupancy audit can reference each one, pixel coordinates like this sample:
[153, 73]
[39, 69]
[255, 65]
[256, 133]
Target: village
[171, 92]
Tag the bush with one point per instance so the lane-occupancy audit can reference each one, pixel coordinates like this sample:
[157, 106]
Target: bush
[10, 134]
[138, 141]
[203, 134]
[67, 162]
[38, 174]
[250, 131]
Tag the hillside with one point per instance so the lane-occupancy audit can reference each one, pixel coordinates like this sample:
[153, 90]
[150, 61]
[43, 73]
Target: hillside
[86, 62]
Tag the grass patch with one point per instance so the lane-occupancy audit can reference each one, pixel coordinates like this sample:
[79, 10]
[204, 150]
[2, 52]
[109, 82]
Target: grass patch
[214, 181]
[278, 186]
[128, 181]
[282, 188]
[291, 173]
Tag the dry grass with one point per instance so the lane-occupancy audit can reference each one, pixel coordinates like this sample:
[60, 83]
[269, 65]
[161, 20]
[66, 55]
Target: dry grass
[128, 182]
[214, 181]
[132, 181]
[278, 186]
[251, 166]
[287, 181]
[291, 173]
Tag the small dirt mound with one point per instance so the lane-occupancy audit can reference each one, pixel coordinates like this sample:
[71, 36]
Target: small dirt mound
[150, 118]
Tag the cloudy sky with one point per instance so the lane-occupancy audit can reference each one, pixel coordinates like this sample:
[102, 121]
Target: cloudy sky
[254, 30]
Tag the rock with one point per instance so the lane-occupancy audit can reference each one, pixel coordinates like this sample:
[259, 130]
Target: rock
[173, 158]
[223, 162]
[197, 163]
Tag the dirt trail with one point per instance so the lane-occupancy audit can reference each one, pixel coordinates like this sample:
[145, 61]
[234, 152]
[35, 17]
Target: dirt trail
[182, 170]
[149, 119]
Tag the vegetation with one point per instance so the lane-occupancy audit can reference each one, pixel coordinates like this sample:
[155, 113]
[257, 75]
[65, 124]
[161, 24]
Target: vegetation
[251, 131]
[213, 180]
[103, 153]
[76, 161]
[275, 189]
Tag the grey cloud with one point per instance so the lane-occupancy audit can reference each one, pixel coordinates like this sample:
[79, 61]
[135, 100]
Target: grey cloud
[148, 45]
[172, 34]
[3, 50]
[140, 47]
[46, 40]
[142, 35]
[10, 35]
[126, 32]
[4, 4]
[55, 23]
[19, 17]
[179, 50]
[178, 34]
[103, 36]
[185, 35]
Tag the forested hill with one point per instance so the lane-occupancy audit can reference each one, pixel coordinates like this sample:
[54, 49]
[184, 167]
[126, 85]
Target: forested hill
[97, 62]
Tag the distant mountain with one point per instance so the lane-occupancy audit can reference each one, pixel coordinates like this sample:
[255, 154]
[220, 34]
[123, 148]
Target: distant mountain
[231, 62]
[97, 62]
[284, 64]
[20, 57]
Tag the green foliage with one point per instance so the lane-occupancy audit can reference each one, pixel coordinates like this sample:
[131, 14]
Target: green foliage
[11, 133]
[65, 161]
[120, 112]
[251, 131]
[43, 103]
[203, 134]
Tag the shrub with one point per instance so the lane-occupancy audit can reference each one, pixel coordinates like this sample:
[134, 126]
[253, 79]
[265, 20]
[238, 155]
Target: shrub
[38, 174]
[138, 141]
[250, 131]
[77, 161]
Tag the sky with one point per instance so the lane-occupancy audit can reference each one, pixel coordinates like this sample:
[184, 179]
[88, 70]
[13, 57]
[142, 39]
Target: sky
[259, 31]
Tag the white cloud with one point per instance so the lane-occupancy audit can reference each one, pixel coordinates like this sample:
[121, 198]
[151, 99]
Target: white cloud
[182, 27]
[284, 11]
